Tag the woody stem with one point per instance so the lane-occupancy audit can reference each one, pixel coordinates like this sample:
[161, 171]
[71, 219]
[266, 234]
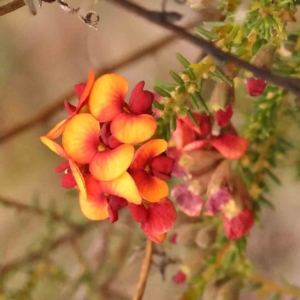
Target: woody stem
[144, 272]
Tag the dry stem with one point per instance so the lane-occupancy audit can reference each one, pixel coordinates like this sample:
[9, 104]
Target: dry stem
[144, 271]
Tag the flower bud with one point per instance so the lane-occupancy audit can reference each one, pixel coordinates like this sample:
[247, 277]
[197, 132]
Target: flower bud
[206, 236]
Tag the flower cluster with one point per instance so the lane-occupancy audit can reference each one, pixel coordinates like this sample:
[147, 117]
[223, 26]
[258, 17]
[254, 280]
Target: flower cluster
[203, 156]
[109, 157]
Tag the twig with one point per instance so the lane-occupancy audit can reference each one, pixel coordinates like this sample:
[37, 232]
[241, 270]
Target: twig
[11, 6]
[289, 83]
[36, 210]
[47, 113]
[37, 255]
[271, 287]
[144, 271]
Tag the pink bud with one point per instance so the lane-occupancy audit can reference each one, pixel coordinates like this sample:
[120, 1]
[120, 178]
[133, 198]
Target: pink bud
[179, 277]
[256, 86]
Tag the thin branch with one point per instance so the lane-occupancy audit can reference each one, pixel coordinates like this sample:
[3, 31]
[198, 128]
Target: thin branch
[271, 287]
[144, 271]
[58, 104]
[36, 210]
[289, 83]
[11, 6]
[37, 255]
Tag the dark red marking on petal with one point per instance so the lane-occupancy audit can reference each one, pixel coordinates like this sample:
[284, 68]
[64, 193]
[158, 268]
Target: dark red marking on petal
[62, 167]
[117, 202]
[68, 181]
[162, 166]
[223, 116]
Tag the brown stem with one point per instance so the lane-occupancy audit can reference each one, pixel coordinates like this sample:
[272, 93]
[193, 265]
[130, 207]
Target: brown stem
[289, 83]
[11, 6]
[47, 113]
[37, 255]
[144, 272]
[35, 210]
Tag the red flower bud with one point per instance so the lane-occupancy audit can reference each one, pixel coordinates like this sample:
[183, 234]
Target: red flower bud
[255, 86]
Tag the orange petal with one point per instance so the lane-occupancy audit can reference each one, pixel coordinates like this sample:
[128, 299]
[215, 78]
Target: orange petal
[110, 164]
[157, 237]
[146, 152]
[86, 90]
[151, 188]
[81, 138]
[107, 97]
[57, 130]
[54, 147]
[133, 129]
[78, 178]
[124, 187]
[95, 206]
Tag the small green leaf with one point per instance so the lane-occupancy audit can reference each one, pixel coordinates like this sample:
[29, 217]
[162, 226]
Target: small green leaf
[192, 118]
[161, 92]
[215, 24]
[221, 74]
[173, 123]
[194, 101]
[266, 202]
[204, 33]
[201, 101]
[273, 176]
[157, 105]
[183, 60]
[176, 77]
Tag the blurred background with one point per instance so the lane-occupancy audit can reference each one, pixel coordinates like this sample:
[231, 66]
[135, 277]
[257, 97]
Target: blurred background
[44, 254]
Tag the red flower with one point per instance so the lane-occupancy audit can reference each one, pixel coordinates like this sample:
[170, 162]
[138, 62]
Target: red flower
[179, 277]
[223, 117]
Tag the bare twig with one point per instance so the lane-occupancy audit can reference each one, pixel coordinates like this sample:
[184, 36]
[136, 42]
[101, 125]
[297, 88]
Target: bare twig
[35, 210]
[144, 271]
[11, 6]
[37, 255]
[57, 105]
[289, 83]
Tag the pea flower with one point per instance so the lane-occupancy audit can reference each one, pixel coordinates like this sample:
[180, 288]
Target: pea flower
[131, 122]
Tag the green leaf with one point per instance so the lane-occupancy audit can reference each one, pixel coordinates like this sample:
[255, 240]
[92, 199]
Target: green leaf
[176, 77]
[221, 74]
[266, 202]
[183, 60]
[173, 123]
[190, 73]
[165, 86]
[161, 92]
[201, 101]
[158, 105]
[194, 101]
[204, 33]
[258, 44]
[215, 24]
[214, 77]
[192, 118]
[273, 176]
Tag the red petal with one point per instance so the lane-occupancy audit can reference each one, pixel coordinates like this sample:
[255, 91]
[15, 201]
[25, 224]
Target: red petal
[223, 116]
[183, 135]
[86, 91]
[239, 225]
[79, 89]
[195, 145]
[173, 238]
[68, 181]
[140, 101]
[203, 121]
[117, 202]
[187, 201]
[113, 214]
[62, 167]
[70, 108]
[255, 86]
[162, 166]
[138, 212]
[179, 277]
[230, 146]
[161, 217]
